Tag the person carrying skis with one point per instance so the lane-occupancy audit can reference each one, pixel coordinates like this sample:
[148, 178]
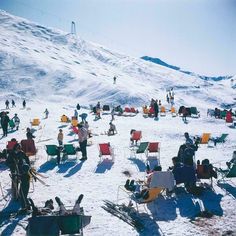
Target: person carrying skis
[19, 165]
[13, 104]
[83, 135]
[46, 113]
[7, 104]
[16, 120]
[4, 123]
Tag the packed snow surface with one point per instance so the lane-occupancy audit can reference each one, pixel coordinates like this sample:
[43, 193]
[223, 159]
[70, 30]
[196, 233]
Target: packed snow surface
[55, 70]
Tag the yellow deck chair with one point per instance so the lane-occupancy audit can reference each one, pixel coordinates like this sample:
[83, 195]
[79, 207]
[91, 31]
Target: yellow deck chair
[64, 118]
[74, 123]
[153, 194]
[163, 111]
[173, 112]
[35, 122]
[145, 110]
[205, 138]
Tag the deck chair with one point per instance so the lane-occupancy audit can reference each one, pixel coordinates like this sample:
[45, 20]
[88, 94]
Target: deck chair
[227, 173]
[194, 112]
[10, 145]
[136, 136]
[204, 172]
[105, 149]
[163, 111]
[205, 138]
[69, 149]
[132, 109]
[65, 119]
[74, 122]
[220, 139]
[28, 147]
[145, 110]
[11, 124]
[51, 150]
[173, 112]
[142, 149]
[35, 122]
[223, 114]
[127, 109]
[153, 147]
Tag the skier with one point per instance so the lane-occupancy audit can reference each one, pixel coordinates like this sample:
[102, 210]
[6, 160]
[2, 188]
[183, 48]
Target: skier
[7, 104]
[156, 109]
[114, 80]
[46, 113]
[24, 104]
[4, 123]
[13, 104]
[76, 114]
[83, 135]
[16, 120]
[78, 107]
[83, 117]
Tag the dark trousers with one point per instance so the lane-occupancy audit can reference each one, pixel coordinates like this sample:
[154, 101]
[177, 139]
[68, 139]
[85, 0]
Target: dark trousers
[4, 129]
[83, 148]
[24, 190]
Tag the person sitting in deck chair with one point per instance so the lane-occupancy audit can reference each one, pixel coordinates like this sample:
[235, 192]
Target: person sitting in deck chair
[76, 208]
[112, 129]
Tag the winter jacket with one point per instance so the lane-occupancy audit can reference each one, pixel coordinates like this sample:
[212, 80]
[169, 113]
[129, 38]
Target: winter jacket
[83, 134]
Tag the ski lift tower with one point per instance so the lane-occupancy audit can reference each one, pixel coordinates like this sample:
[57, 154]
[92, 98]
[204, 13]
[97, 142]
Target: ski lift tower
[73, 28]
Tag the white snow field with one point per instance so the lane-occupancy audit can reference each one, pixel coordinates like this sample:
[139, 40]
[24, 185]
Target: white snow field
[55, 70]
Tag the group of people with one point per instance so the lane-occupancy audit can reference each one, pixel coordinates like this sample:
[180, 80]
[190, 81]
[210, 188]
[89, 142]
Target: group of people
[5, 122]
[13, 104]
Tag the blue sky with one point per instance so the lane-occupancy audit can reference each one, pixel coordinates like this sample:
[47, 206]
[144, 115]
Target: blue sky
[197, 35]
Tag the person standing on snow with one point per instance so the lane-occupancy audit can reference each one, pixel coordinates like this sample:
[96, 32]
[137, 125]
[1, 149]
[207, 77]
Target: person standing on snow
[114, 80]
[83, 135]
[13, 104]
[46, 113]
[4, 123]
[24, 104]
[7, 104]
[16, 120]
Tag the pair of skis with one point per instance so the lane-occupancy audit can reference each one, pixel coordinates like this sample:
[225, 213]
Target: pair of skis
[124, 213]
[36, 176]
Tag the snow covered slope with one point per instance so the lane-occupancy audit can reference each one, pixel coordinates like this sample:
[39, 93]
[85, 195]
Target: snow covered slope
[38, 62]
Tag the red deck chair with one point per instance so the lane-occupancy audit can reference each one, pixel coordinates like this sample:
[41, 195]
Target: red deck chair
[105, 149]
[127, 109]
[154, 147]
[151, 111]
[132, 109]
[136, 136]
[10, 145]
[28, 147]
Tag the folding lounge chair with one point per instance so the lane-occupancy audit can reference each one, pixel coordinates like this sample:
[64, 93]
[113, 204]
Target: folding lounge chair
[194, 112]
[163, 111]
[11, 124]
[142, 149]
[64, 119]
[136, 136]
[52, 150]
[204, 172]
[205, 138]
[10, 145]
[69, 149]
[223, 114]
[105, 149]
[35, 122]
[220, 139]
[227, 173]
[173, 112]
[74, 122]
[28, 146]
[154, 147]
